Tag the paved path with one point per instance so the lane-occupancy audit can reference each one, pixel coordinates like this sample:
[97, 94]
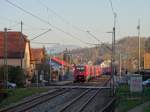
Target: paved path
[60, 82]
[140, 107]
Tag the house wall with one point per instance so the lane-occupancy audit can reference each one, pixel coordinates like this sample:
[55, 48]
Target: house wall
[14, 62]
[17, 62]
[26, 59]
[147, 61]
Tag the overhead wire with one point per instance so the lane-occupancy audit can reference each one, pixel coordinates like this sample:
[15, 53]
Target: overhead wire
[62, 18]
[43, 33]
[93, 36]
[29, 27]
[46, 22]
[7, 19]
[14, 25]
[116, 17]
[13, 22]
[44, 43]
[37, 17]
[112, 8]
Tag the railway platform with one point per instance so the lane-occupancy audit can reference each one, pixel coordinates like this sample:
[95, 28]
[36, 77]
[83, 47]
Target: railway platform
[60, 83]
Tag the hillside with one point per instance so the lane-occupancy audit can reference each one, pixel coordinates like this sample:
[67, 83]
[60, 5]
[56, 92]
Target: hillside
[127, 47]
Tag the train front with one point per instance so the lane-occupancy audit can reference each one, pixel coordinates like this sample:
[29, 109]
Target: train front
[79, 73]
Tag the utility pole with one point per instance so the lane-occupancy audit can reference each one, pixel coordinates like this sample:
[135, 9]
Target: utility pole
[139, 47]
[120, 67]
[62, 67]
[50, 73]
[21, 51]
[5, 56]
[113, 52]
[112, 62]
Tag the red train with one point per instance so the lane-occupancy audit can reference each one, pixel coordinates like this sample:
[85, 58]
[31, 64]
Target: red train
[86, 72]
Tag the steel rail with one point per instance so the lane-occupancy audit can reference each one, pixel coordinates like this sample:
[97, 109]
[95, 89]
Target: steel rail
[34, 102]
[73, 101]
[22, 103]
[88, 101]
[108, 105]
[91, 98]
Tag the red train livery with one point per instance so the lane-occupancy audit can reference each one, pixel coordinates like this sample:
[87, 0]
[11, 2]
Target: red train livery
[85, 72]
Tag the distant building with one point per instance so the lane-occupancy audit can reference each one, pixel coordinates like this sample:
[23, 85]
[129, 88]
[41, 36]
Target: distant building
[106, 63]
[146, 60]
[37, 55]
[59, 68]
[37, 59]
[17, 48]
[57, 63]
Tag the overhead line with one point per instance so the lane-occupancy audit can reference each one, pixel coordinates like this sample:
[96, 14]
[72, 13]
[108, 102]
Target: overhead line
[115, 16]
[93, 36]
[46, 22]
[112, 6]
[27, 12]
[43, 43]
[11, 26]
[62, 18]
[41, 34]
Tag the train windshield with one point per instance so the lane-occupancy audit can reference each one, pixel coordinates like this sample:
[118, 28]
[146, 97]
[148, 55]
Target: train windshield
[80, 68]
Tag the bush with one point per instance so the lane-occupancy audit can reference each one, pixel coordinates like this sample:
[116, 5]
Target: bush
[15, 74]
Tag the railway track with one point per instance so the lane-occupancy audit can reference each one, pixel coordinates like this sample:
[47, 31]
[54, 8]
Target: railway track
[68, 99]
[98, 81]
[109, 106]
[24, 106]
[79, 103]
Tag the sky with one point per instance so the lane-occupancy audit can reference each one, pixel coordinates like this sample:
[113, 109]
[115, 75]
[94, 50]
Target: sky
[69, 20]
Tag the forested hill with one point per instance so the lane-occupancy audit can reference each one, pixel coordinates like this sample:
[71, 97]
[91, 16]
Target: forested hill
[127, 47]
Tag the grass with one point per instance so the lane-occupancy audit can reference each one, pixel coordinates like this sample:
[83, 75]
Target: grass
[129, 100]
[147, 109]
[15, 95]
[125, 105]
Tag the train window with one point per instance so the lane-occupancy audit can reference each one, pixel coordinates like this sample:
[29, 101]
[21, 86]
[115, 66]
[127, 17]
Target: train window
[80, 68]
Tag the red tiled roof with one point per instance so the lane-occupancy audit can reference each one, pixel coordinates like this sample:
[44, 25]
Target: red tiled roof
[61, 62]
[37, 54]
[15, 45]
